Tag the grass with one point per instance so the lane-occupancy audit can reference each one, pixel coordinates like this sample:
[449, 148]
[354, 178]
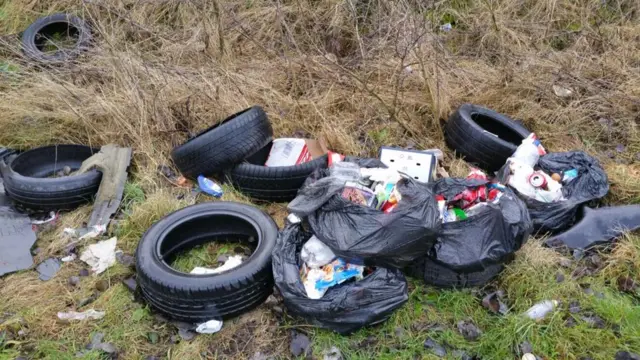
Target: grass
[360, 74]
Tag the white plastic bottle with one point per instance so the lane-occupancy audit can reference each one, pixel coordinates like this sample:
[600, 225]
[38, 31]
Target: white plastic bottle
[541, 309]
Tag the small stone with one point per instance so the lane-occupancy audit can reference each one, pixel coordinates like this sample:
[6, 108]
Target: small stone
[588, 291]
[574, 307]
[559, 277]
[399, 331]
[469, 330]
[102, 285]
[300, 344]
[153, 337]
[83, 272]
[566, 263]
[436, 348]
[125, 259]
[86, 301]
[526, 347]
[332, 354]
[131, 284]
[186, 334]
[620, 148]
[594, 321]
[66, 170]
[625, 355]
[108, 348]
[22, 333]
[74, 280]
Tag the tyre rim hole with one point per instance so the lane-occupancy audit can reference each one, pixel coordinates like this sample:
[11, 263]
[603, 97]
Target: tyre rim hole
[57, 37]
[494, 127]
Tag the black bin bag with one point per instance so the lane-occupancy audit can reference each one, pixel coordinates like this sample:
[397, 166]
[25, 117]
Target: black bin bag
[590, 184]
[344, 308]
[358, 232]
[482, 240]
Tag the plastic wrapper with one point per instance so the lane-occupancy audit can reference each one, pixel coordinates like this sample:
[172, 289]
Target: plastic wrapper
[388, 237]
[589, 184]
[488, 237]
[344, 308]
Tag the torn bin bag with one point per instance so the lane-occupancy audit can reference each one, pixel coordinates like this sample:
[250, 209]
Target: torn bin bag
[355, 231]
[487, 238]
[591, 183]
[344, 308]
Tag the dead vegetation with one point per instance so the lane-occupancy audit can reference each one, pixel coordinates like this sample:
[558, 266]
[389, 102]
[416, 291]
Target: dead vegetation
[359, 73]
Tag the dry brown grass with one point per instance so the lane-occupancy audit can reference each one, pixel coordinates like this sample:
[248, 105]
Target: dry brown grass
[359, 73]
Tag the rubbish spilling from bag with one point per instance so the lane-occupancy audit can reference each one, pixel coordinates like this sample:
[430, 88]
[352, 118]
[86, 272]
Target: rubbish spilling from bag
[553, 185]
[364, 211]
[352, 297]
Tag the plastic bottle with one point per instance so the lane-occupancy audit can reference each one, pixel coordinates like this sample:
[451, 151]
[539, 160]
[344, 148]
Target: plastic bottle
[529, 151]
[541, 309]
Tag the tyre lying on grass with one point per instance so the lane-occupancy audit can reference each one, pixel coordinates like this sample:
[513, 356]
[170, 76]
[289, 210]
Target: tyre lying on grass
[276, 184]
[225, 144]
[35, 180]
[482, 136]
[53, 32]
[198, 298]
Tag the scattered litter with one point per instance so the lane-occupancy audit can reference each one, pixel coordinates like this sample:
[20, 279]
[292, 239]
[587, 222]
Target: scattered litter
[86, 233]
[48, 268]
[528, 356]
[97, 344]
[332, 354]
[131, 284]
[494, 304]
[446, 27]
[526, 347]
[436, 348]
[209, 186]
[74, 280]
[292, 151]
[232, 262]
[469, 330]
[541, 309]
[52, 217]
[209, 327]
[16, 239]
[315, 253]
[186, 335]
[318, 280]
[293, 219]
[83, 272]
[561, 92]
[69, 258]
[125, 259]
[100, 256]
[300, 344]
[89, 314]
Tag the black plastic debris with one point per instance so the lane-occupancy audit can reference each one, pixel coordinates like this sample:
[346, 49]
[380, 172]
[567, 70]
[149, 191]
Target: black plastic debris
[598, 226]
[436, 348]
[48, 268]
[16, 237]
[490, 237]
[344, 308]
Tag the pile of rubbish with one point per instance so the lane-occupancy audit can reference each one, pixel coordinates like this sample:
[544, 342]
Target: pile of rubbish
[356, 225]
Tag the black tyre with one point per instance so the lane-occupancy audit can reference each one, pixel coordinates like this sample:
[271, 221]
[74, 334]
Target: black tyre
[46, 29]
[30, 182]
[482, 136]
[224, 145]
[198, 298]
[438, 275]
[274, 184]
